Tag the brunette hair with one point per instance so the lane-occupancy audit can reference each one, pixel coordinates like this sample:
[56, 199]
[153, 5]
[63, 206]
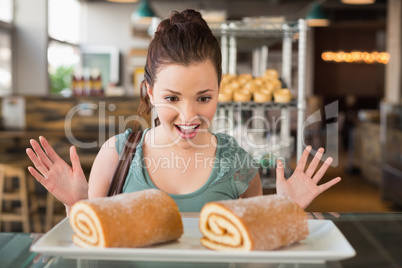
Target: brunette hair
[184, 38]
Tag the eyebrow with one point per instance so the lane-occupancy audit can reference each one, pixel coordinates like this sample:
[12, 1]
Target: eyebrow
[198, 93]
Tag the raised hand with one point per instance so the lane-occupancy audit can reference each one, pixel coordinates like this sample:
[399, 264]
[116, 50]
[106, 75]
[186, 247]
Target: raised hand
[302, 186]
[67, 184]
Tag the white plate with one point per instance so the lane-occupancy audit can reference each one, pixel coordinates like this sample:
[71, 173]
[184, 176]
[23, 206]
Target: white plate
[324, 243]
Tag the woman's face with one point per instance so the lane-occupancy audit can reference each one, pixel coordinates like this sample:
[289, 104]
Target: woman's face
[185, 98]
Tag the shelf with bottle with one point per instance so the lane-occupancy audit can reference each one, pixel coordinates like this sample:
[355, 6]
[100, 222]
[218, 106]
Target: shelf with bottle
[87, 83]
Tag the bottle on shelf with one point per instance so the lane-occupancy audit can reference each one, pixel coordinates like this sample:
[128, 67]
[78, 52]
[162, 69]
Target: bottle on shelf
[96, 78]
[77, 83]
[87, 82]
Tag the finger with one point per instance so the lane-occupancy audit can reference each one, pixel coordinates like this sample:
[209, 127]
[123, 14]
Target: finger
[38, 176]
[38, 256]
[37, 162]
[45, 258]
[314, 163]
[40, 153]
[35, 237]
[320, 173]
[318, 215]
[323, 187]
[75, 159]
[310, 215]
[335, 214]
[303, 159]
[280, 171]
[49, 150]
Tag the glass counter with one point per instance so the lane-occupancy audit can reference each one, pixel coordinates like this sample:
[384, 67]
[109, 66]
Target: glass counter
[391, 144]
[376, 238]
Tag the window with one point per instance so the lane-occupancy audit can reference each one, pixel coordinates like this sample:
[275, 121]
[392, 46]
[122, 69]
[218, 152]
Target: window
[64, 20]
[63, 50]
[63, 59]
[6, 66]
[6, 10]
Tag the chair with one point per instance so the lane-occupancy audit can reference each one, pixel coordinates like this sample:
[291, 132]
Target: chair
[14, 188]
[55, 211]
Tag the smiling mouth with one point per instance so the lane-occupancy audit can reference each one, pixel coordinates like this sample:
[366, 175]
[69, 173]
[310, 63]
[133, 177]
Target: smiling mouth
[187, 129]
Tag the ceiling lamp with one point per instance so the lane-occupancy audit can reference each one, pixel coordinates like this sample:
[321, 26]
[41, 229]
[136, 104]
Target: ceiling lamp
[143, 14]
[123, 1]
[316, 17]
[358, 2]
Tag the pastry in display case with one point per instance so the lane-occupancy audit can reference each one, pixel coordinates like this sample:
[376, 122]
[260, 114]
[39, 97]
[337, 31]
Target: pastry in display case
[225, 95]
[242, 95]
[262, 95]
[282, 95]
[271, 74]
[246, 88]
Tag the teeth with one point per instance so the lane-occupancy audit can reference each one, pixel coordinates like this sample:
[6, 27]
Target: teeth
[188, 127]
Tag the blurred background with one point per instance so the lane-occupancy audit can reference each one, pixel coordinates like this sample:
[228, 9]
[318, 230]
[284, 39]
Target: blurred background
[70, 70]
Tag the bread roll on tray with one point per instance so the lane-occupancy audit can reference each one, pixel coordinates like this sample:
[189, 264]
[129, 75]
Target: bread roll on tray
[242, 95]
[126, 220]
[271, 73]
[256, 223]
[282, 95]
[224, 96]
[262, 95]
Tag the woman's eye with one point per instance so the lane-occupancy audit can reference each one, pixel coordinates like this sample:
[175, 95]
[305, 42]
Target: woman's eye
[171, 99]
[204, 99]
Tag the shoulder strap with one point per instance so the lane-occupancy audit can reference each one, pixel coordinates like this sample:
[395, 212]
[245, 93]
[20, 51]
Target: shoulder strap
[125, 159]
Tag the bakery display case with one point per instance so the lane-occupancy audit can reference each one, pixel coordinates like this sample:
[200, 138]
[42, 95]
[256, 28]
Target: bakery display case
[391, 147]
[263, 128]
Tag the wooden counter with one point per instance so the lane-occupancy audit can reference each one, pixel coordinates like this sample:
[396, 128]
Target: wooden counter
[86, 122]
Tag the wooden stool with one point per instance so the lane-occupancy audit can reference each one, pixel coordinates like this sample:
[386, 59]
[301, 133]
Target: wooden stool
[55, 211]
[34, 204]
[10, 193]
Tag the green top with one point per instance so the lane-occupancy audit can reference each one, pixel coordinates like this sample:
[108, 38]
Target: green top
[233, 169]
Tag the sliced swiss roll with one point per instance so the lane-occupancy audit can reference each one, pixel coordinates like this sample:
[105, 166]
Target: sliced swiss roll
[127, 220]
[256, 223]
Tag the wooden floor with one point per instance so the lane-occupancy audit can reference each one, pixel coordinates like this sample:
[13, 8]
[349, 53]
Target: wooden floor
[352, 194]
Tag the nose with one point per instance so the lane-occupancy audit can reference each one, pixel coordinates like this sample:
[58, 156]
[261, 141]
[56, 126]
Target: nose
[188, 112]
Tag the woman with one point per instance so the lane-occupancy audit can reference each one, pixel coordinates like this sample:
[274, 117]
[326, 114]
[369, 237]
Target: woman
[182, 77]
